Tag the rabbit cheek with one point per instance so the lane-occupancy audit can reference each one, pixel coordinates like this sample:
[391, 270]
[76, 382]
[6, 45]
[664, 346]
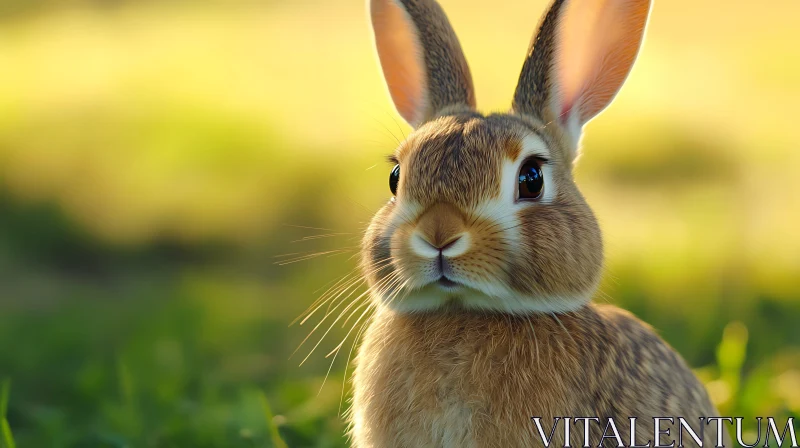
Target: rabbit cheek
[485, 265]
[376, 255]
[415, 269]
[560, 255]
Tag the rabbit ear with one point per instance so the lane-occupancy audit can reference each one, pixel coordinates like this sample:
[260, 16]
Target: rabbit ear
[579, 59]
[421, 58]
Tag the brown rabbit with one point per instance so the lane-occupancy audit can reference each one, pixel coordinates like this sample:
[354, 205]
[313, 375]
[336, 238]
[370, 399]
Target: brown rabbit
[483, 264]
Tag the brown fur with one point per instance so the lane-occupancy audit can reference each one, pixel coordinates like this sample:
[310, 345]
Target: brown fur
[512, 335]
[490, 373]
[535, 83]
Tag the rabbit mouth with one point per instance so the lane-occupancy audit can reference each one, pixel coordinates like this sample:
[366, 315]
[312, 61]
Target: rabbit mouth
[447, 283]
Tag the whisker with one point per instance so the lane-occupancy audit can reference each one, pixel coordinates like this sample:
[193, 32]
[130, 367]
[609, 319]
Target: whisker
[405, 136]
[356, 339]
[352, 274]
[377, 266]
[397, 291]
[335, 351]
[307, 227]
[313, 255]
[339, 287]
[351, 285]
[350, 305]
[387, 130]
[324, 317]
[316, 237]
[369, 304]
[347, 308]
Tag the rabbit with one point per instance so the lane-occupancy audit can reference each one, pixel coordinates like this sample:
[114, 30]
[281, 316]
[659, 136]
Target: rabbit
[483, 263]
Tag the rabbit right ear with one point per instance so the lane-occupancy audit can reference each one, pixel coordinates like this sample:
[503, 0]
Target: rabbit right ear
[579, 58]
[421, 58]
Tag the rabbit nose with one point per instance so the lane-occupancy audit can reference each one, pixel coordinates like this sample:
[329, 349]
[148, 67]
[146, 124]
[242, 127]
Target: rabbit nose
[440, 231]
[452, 248]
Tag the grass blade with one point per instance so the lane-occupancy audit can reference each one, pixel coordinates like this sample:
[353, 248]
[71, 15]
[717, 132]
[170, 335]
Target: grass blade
[5, 428]
[4, 392]
[277, 442]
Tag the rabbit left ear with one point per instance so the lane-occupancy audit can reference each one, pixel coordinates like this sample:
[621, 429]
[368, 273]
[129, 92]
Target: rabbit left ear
[579, 59]
[421, 58]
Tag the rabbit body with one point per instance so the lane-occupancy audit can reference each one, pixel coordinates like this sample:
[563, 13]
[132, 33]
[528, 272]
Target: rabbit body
[470, 380]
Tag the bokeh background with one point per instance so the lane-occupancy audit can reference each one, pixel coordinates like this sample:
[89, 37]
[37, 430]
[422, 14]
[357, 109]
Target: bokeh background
[160, 159]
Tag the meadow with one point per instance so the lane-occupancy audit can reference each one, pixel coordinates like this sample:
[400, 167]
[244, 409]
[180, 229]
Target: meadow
[161, 162]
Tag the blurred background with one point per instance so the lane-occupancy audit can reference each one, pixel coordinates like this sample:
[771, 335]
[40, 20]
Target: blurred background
[169, 169]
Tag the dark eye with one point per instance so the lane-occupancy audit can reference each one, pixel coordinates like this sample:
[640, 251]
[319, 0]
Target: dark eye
[531, 180]
[394, 178]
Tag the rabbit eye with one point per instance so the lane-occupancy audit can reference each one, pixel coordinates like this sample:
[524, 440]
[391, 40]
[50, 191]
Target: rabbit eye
[531, 180]
[394, 178]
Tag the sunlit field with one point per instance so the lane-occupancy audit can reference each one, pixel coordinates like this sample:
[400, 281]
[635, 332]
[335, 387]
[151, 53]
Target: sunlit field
[168, 169]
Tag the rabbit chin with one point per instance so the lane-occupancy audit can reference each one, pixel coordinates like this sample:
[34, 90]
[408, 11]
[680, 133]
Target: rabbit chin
[490, 297]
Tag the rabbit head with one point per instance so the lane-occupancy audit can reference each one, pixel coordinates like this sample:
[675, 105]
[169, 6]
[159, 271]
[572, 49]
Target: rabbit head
[485, 214]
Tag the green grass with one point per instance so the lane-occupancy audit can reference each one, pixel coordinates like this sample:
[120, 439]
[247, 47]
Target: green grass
[161, 346]
[5, 429]
[274, 434]
[158, 366]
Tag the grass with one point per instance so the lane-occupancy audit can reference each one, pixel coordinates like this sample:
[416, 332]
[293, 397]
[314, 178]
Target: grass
[274, 433]
[5, 429]
[160, 366]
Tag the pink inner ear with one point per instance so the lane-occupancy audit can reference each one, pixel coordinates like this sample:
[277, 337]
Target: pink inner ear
[597, 44]
[400, 54]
